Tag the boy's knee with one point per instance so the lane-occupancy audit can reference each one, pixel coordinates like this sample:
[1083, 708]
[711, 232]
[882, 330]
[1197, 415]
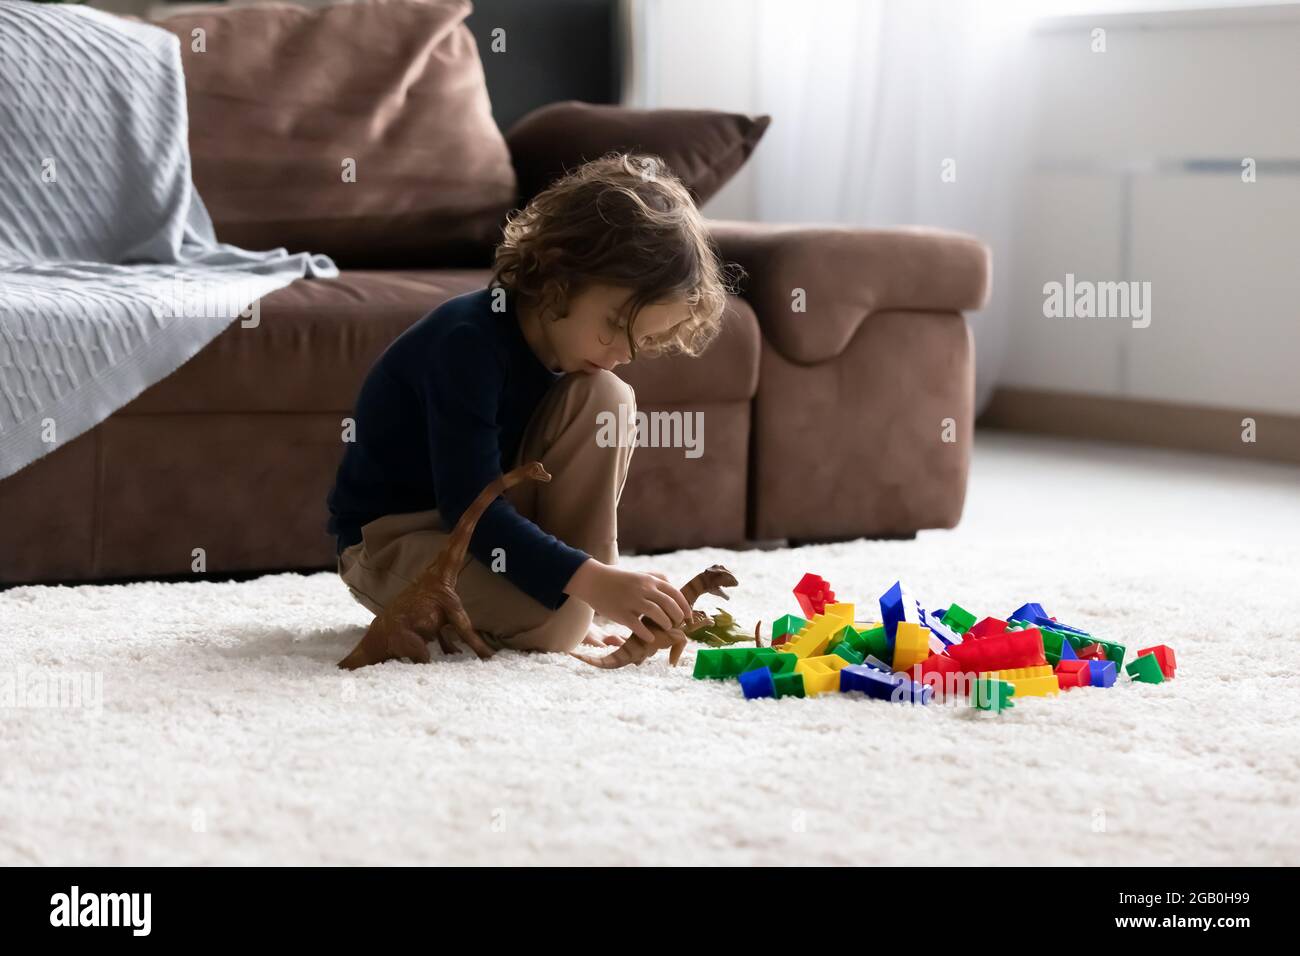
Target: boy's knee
[604, 390]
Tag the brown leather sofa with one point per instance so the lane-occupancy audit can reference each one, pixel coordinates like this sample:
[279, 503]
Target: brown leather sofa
[852, 418]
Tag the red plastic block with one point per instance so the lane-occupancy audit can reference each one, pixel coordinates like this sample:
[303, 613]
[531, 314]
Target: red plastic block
[1165, 655]
[986, 628]
[1073, 674]
[1009, 651]
[1091, 652]
[813, 594]
[942, 673]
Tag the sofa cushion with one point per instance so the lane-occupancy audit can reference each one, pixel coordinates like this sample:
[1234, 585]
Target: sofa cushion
[280, 100]
[703, 148]
[314, 341]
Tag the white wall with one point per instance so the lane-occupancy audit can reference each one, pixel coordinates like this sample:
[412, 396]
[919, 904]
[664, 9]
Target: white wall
[1111, 191]
[1117, 195]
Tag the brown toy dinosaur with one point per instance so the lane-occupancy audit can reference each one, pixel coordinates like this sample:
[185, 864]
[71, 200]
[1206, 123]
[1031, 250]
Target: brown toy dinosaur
[417, 615]
[636, 650]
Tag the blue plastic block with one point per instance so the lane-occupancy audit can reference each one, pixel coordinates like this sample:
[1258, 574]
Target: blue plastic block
[914, 693]
[757, 683]
[943, 632]
[1102, 673]
[1028, 612]
[896, 606]
[868, 680]
[882, 686]
[1067, 652]
[1042, 620]
[878, 664]
[938, 614]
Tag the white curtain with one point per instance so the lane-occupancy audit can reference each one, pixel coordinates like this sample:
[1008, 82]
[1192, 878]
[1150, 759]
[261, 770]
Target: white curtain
[871, 101]
[893, 112]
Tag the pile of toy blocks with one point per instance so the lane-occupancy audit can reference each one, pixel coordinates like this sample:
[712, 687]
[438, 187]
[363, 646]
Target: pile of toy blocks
[911, 655]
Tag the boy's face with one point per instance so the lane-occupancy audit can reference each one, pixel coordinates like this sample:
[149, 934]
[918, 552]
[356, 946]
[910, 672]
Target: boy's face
[593, 335]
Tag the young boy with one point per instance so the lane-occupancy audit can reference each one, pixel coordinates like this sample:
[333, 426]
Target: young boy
[609, 264]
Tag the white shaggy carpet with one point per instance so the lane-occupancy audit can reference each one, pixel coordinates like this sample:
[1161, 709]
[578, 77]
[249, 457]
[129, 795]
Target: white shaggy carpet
[225, 734]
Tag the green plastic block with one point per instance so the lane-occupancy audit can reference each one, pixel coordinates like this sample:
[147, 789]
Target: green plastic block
[790, 624]
[1114, 652]
[762, 657]
[958, 618]
[719, 663]
[987, 693]
[876, 643]
[1146, 669]
[848, 653]
[783, 663]
[791, 685]
[1053, 641]
[1078, 642]
[854, 639]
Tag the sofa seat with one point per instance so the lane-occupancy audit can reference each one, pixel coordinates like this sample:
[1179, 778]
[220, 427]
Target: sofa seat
[225, 465]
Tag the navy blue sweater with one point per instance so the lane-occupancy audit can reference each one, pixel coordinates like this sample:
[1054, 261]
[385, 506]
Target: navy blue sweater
[441, 414]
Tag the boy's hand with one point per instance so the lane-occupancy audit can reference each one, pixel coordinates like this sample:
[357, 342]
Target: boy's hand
[624, 596]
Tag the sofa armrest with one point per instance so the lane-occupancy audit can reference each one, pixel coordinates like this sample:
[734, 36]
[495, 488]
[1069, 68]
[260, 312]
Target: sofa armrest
[847, 274]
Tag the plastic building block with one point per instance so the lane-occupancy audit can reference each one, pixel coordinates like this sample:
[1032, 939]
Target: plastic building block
[943, 675]
[957, 618]
[938, 613]
[1114, 652]
[1042, 620]
[1056, 647]
[1091, 652]
[988, 693]
[720, 663]
[1074, 673]
[881, 686]
[821, 674]
[788, 685]
[845, 650]
[1146, 669]
[841, 609]
[1102, 673]
[789, 624]
[946, 635]
[782, 663]
[1165, 655]
[877, 663]
[869, 681]
[1030, 681]
[813, 639]
[850, 637]
[876, 642]
[911, 645]
[1028, 612]
[896, 607]
[987, 627]
[813, 594]
[757, 683]
[766, 657]
[1008, 650]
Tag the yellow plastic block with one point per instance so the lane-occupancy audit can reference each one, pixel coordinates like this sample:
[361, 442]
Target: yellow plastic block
[841, 610]
[821, 675]
[813, 637]
[911, 645]
[1031, 681]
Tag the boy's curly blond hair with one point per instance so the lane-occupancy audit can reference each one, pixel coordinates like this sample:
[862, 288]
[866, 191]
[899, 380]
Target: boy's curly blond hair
[623, 220]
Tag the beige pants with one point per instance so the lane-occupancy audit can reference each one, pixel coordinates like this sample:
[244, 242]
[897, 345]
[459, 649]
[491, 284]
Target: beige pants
[579, 505]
